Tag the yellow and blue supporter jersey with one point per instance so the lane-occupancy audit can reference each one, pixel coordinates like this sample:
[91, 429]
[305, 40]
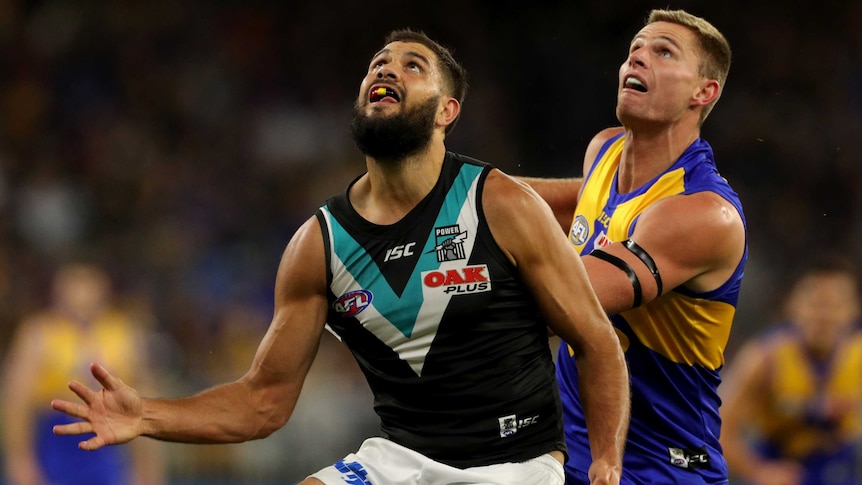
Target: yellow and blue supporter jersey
[69, 347]
[674, 345]
[796, 419]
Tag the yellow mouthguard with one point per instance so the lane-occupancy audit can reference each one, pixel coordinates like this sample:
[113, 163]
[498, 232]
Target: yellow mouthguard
[381, 91]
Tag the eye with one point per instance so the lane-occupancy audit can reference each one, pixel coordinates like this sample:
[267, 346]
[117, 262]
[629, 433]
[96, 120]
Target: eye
[666, 53]
[413, 67]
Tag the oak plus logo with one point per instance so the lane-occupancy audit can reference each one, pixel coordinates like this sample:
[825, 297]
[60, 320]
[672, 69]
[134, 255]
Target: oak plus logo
[449, 242]
[458, 281]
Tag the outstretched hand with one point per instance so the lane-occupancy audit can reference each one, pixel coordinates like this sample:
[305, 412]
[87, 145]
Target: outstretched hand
[113, 414]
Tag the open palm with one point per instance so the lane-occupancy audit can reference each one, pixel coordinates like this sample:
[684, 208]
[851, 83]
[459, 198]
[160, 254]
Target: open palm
[113, 414]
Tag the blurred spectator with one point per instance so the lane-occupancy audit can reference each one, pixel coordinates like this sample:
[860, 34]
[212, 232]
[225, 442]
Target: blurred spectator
[793, 400]
[52, 347]
[176, 138]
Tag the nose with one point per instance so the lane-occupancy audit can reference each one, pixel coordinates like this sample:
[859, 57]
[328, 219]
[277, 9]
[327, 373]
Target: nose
[386, 72]
[637, 57]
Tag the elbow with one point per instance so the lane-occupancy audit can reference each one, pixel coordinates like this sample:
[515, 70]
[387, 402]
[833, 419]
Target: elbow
[272, 411]
[269, 424]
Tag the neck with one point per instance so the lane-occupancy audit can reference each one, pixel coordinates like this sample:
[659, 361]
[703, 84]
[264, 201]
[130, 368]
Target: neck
[648, 153]
[392, 188]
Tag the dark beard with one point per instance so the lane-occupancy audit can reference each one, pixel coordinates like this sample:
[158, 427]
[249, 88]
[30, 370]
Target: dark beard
[394, 137]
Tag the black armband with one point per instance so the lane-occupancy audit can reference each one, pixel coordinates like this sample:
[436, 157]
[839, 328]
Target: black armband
[647, 260]
[619, 263]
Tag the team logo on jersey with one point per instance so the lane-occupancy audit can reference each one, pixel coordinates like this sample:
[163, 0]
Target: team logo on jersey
[689, 457]
[510, 424]
[580, 231]
[449, 242]
[458, 281]
[352, 303]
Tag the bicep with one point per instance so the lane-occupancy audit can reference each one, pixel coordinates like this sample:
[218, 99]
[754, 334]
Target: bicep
[548, 264]
[290, 344]
[697, 240]
[694, 241]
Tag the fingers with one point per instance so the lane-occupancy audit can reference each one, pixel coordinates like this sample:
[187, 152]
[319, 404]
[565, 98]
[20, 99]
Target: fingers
[102, 375]
[79, 427]
[76, 410]
[92, 444]
[85, 393]
[82, 427]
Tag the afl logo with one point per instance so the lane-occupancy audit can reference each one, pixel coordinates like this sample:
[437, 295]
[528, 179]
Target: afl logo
[352, 302]
[580, 231]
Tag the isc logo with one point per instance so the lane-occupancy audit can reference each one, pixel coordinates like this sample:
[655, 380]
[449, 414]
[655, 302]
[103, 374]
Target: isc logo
[510, 424]
[352, 302]
[470, 279]
[399, 251]
[689, 457]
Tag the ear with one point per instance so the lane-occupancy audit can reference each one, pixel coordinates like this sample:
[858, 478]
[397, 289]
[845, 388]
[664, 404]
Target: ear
[708, 92]
[449, 110]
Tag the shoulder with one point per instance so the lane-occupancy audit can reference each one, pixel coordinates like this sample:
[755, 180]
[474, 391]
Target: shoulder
[460, 157]
[602, 137]
[596, 144]
[701, 210]
[502, 192]
[515, 213]
[750, 365]
[42, 322]
[31, 333]
[606, 134]
[697, 240]
[303, 263]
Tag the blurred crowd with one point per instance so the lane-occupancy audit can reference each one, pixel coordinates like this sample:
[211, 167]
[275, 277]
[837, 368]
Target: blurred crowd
[180, 143]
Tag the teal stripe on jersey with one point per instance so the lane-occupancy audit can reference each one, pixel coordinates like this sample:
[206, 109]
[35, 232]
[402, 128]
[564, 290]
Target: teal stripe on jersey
[386, 301]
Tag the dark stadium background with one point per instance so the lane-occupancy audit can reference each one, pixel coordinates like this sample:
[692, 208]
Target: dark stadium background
[182, 142]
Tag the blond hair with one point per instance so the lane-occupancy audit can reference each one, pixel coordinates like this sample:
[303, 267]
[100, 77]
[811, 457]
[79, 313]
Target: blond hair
[715, 50]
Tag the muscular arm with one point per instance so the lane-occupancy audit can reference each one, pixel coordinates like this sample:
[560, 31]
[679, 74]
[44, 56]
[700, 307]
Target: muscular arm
[251, 407]
[525, 228]
[695, 240]
[561, 194]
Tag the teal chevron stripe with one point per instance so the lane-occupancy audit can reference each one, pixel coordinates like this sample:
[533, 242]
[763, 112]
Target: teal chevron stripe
[402, 311]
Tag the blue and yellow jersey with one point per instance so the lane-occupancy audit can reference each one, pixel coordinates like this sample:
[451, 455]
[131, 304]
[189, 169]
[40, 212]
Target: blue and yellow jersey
[809, 410]
[68, 348]
[674, 345]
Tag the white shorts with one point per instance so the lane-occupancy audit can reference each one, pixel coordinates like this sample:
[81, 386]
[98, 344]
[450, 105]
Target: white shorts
[382, 462]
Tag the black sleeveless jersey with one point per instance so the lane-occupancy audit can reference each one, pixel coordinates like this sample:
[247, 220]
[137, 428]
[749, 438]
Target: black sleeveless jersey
[442, 326]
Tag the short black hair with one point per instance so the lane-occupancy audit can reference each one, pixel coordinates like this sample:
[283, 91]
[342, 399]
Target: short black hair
[454, 73]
